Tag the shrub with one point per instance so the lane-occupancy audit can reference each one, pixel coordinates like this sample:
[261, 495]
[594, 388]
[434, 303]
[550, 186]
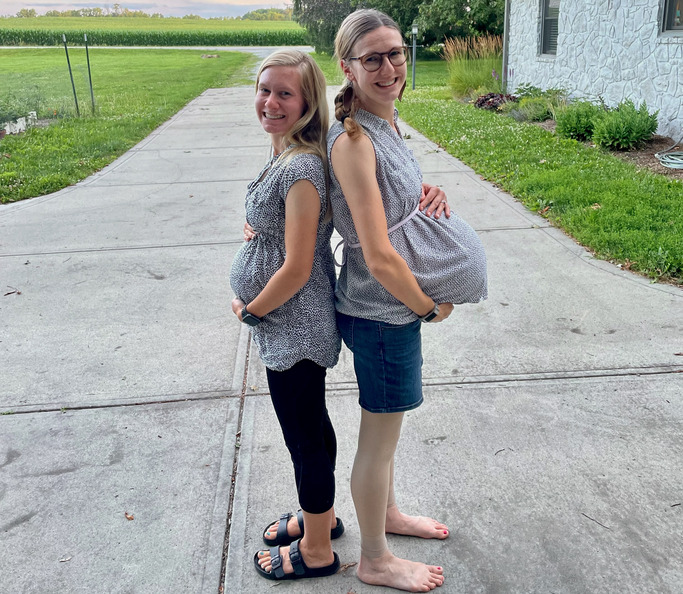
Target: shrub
[625, 127]
[577, 120]
[535, 109]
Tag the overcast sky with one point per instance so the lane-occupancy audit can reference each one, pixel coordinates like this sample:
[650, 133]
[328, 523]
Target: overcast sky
[203, 8]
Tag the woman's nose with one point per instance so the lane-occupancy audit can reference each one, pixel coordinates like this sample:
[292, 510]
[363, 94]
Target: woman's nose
[271, 101]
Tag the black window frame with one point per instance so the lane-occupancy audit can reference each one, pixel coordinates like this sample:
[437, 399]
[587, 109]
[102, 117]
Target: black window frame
[669, 20]
[549, 27]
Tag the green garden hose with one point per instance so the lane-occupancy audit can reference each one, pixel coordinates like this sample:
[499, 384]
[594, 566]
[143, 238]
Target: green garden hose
[672, 160]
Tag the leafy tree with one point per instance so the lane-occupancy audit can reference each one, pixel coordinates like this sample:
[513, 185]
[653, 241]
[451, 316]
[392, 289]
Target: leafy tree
[404, 12]
[487, 16]
[436, 19]
[269, 14]
[460, 18]
[26, 13]
[321, 18]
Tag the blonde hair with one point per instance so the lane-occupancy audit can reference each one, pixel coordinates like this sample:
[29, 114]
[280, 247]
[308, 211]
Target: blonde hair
[309, 133]
[353, 28]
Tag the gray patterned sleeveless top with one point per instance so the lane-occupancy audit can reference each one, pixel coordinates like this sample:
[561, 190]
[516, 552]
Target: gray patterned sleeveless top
[445, 255]
[304, 327]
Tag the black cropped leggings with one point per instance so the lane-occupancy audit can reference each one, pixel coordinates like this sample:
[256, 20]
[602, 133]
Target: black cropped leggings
[298, 396]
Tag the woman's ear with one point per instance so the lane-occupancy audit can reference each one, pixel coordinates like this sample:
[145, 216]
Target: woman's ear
[346, 70]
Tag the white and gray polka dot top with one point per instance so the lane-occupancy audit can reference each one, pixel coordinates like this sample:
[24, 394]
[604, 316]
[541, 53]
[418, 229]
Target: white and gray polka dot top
[305, 326]
[445, 255]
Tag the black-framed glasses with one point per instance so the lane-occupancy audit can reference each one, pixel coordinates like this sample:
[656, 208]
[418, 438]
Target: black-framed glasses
[373, 61]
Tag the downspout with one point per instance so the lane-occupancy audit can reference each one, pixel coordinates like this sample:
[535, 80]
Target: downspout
[506, 41]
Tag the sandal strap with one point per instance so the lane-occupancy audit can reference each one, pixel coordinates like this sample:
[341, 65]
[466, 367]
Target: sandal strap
[300, 520]
[296, 559]
[276, 562]
[282, 527]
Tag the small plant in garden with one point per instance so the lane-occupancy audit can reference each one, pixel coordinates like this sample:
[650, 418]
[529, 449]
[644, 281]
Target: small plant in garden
[538, 105]
[494, 101]
[577, 120]
[625, 127]
[474, 64]
[535, 109]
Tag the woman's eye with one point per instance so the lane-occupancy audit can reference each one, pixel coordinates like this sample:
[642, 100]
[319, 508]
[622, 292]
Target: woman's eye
[373, 59]
[394, 53]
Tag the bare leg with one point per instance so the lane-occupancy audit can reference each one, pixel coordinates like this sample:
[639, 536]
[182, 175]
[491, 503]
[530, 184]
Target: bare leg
[371, 487]
[315, 546]
[400, 523]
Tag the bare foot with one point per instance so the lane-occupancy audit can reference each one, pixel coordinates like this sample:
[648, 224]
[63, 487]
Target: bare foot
[389, 570]
[312, 558]
[400, 523]
[292, 528]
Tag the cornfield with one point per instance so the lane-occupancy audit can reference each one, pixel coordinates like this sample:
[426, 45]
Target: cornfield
[11, 37]
[48, 31]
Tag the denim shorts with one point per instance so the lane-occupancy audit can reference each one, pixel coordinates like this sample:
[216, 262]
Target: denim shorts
[388, 362]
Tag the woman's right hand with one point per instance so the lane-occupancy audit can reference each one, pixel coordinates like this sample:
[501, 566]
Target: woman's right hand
[445, 310]
[248, 232]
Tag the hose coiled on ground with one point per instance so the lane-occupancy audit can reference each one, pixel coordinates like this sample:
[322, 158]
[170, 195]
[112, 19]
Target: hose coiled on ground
[672, 160]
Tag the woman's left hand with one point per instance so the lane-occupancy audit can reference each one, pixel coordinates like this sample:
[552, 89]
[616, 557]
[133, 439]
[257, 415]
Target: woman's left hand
[434, 200]
[237, 306]
[248, 232]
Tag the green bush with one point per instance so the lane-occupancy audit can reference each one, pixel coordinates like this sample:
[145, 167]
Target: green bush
[577, 120]
[625, 127]
[535, 109]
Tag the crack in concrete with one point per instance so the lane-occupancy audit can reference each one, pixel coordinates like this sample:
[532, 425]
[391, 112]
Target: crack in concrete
[244, 342]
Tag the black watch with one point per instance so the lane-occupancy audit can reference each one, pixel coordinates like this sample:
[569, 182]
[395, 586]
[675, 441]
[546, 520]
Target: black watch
[250, 319]
[431, 315]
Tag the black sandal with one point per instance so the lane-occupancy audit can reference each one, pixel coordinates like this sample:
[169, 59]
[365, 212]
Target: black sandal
[301, 570]
[282, 538]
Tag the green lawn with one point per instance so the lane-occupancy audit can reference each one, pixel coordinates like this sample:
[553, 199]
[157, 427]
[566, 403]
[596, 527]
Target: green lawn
[617, 211]
[135, 91]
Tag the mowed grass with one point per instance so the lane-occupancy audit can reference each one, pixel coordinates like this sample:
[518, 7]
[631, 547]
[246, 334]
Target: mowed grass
[619, 212]
[135, 91]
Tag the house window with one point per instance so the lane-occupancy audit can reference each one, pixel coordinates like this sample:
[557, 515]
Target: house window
[672, 15]
[550, 11]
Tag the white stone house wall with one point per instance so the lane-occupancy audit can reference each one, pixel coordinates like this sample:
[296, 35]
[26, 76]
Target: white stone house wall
[609, 48]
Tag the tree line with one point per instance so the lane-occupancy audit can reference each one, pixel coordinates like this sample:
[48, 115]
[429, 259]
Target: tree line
[262, 14]
[436, 19]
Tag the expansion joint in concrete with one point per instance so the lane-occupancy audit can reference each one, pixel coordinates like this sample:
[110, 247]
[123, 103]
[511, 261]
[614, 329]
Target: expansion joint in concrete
[123, 248]
[240, 375]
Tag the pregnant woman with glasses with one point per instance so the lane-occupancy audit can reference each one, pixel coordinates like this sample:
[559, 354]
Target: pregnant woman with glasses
[403, 264]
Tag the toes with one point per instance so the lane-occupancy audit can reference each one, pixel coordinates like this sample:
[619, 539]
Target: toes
[264, 560]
